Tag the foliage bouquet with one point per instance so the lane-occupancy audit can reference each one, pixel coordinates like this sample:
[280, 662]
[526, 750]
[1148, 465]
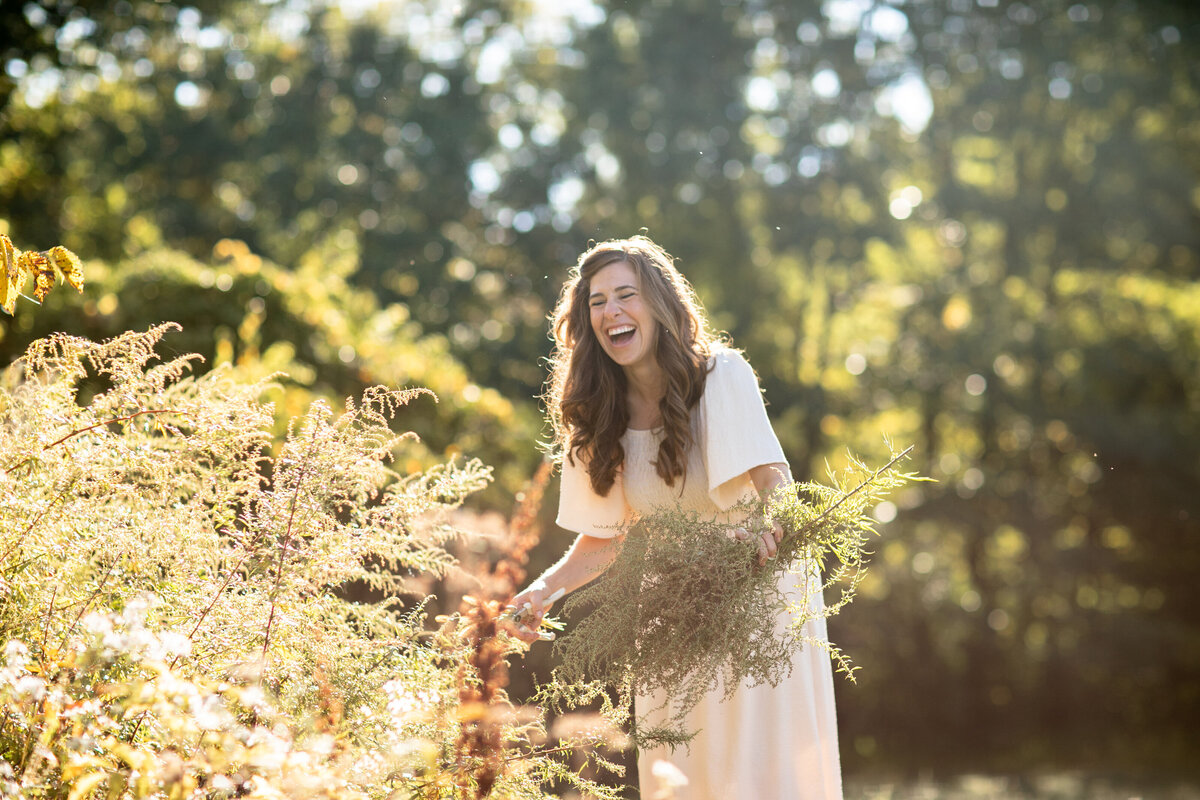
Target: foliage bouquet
[685, 608]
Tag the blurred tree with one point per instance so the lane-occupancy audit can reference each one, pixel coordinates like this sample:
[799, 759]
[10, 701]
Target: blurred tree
[320, 334]
[274, 125]
[1057, 157]
[968, 225]
[48, 38]
[895, 209]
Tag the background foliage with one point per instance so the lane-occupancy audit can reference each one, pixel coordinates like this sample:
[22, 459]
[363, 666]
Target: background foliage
[968, 225]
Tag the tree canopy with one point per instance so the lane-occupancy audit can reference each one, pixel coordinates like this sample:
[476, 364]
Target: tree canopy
[971, 226]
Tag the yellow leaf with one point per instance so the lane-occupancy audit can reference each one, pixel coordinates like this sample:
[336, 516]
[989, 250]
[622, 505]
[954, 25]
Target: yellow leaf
[69, 266]
[10, 277]
[39, 266]
[84, 785]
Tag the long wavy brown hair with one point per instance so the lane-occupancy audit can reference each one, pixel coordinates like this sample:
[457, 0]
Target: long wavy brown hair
[586, 394]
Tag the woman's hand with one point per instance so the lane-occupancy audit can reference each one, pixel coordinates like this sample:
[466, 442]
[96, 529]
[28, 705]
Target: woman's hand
[524, 614]
[767, 541]
[584, 561]
[769, 479]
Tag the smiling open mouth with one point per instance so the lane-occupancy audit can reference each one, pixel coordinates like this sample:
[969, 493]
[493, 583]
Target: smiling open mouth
[621, 335]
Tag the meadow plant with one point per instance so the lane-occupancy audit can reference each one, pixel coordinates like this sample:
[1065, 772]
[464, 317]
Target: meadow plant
[194, 609]
[685, 609]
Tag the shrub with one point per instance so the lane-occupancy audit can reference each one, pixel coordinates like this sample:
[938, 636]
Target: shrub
[177, 596]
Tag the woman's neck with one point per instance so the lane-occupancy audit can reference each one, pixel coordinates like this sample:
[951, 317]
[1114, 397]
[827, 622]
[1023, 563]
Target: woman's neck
[647, 385]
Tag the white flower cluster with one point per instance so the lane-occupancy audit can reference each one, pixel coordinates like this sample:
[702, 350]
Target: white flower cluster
[125, 634]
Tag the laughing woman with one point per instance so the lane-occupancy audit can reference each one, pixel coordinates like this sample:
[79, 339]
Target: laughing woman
[650, 409]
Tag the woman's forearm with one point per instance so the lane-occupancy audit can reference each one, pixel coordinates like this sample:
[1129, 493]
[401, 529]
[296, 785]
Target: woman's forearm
[769, 477]
[586, 559]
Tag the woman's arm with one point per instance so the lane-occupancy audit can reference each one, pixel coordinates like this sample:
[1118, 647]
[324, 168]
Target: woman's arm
[586, 559]
[769, 477]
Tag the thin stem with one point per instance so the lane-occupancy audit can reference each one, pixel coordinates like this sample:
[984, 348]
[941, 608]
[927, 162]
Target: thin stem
[287, 538]
[517, 756]
[820, 518]
[88, 602]
[49, 615]
[216, 596]
[213, 602]
[93, 427]
[28, 528]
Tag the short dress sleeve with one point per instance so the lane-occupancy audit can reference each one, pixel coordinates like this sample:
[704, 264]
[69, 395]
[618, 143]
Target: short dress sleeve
[581, 510]
[737, 434]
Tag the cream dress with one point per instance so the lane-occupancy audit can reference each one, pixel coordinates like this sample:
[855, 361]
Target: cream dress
[764, 742]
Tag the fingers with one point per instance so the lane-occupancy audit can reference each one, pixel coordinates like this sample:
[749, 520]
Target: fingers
[529, 615]
[768, 544]
[523, 617]
[766, 548]
[528, 624]
[522, 622]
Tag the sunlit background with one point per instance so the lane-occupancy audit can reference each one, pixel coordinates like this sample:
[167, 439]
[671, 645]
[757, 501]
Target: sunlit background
[968, 225]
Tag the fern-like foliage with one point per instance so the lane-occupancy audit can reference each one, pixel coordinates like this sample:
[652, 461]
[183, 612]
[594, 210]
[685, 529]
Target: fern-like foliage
[175, 591]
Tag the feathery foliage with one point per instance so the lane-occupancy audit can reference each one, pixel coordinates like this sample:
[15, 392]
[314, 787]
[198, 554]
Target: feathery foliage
[685, 609]
[177, 596]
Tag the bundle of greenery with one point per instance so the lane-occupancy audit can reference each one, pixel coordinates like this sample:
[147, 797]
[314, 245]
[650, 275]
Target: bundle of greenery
[685, 608]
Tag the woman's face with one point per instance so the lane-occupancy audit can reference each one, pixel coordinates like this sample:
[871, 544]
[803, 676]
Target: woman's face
[621, 320]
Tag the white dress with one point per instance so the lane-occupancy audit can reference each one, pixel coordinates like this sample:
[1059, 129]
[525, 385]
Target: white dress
[763, 742]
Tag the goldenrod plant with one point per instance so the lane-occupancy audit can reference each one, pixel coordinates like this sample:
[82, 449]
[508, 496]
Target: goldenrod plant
[193, 608]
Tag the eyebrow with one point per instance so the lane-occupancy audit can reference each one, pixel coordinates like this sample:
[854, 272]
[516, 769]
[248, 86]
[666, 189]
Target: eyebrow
[594, 295]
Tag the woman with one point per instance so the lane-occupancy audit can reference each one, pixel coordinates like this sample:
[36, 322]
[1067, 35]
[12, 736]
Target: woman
[649, 408]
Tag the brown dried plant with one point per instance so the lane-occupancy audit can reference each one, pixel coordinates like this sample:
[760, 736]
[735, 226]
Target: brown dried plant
[485, 752]
[685, 609]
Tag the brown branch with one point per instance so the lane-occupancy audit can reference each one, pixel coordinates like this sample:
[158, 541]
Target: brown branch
[93, 427]
[287, 538]
[137, 727]
[49, 614]
[213, 602]
[532, 753]
[87, 602]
